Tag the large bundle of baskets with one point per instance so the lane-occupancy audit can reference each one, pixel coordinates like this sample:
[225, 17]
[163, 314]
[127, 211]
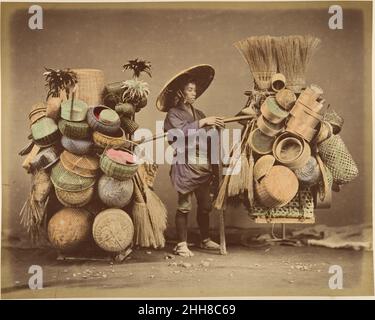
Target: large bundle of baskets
[82, 153]
[292, 145]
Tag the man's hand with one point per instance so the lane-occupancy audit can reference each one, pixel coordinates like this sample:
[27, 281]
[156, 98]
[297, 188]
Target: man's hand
[212, 121]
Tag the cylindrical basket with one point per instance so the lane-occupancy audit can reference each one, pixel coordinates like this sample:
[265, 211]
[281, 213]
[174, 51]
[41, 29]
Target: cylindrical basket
[269, 128]
[298, 126]
[90, 85]
[77, 113]
[261, 143]
[286, 99]
[278, 82]
[272, 112]
[291, 151]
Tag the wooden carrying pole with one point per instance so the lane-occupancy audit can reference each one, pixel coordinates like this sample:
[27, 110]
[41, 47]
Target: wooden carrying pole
[223, 245]
[163, 135]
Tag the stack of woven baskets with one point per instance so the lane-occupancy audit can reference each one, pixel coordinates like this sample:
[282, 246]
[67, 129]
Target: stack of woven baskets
[82, 151]
[299, 156]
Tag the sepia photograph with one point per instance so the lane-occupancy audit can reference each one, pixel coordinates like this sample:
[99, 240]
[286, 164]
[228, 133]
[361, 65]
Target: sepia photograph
[178, 150]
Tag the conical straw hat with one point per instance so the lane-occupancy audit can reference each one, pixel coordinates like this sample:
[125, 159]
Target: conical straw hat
[201, 74]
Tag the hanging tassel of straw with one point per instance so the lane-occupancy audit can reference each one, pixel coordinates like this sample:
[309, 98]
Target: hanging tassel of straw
[235, 154]
[158, 216]
[258, 52]
[238, 175]
[34, 208]
[294, 54]
[143, 233]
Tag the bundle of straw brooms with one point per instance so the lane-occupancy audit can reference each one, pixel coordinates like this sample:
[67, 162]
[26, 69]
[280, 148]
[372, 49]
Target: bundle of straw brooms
[289, 55]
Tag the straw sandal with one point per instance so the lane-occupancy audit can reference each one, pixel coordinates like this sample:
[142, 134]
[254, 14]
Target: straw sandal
[182, 250]
[208, 244]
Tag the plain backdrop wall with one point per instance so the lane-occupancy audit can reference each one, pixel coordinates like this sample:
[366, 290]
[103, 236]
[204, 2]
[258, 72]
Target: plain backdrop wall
[174, 37]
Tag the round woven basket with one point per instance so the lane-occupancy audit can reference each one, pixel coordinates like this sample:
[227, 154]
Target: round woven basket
[45, 132]
[74, 130]
[113, 230]
[115, 193]
[78, 147]
[69, 227]
[261, 143]
[269, 128]
[45, 159]
[337, 158]
[277, 188]
[69, 181]
[77, 114]
[309, 174]
[117, 170]
[90, 85]
[93, 119]
[263, 166]
[272, 112]
[84, 166]
[104, 141]
[286, 99]
[38, 111]
[291, 151]
[299, 127]
[125, 109]
[74, 199]
[129, 125]
[278, 82]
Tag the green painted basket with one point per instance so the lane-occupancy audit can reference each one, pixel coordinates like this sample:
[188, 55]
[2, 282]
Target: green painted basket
[69, 181]
[77, 114]
[74, 130]
[117, 170]
[45, 132]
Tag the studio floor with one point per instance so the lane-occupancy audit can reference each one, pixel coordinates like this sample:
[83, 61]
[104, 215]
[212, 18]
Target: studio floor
[246, 271]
